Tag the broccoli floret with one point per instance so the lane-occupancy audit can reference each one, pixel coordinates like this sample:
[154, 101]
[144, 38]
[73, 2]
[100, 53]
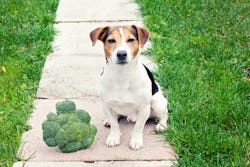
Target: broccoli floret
[52, 116]
[89, 140]
[62, 119]
[71, 146]
[83, 115]
[50, 132]
[69, 129]
[51, 142]
[51, 127]
[65, 106]
[61, 138]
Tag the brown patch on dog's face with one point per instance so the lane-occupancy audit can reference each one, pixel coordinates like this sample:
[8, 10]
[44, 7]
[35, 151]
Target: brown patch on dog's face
[112, 42]
[131, 38]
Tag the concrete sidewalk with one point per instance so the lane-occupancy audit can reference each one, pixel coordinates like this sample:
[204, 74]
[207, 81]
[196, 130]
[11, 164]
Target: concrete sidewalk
[72, 71]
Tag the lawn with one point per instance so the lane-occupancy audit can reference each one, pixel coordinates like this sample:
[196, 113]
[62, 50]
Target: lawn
[25, 34]
[202, 49]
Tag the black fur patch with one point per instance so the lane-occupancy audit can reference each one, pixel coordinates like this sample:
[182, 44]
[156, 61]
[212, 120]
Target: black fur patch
[155, 88]
[134, 32]
[106, 34]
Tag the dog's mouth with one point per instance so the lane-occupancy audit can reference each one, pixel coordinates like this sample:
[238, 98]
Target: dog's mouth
[122, 62]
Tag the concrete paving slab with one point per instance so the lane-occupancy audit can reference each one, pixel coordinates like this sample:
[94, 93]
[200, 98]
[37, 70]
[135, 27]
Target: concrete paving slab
[135, 164]
[97, 164]
[73, 38]
[97, 10]
[70, 76]
[34, 149]
[58, 164]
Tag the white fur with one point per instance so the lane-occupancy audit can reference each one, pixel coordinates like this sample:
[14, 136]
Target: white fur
[126, 90]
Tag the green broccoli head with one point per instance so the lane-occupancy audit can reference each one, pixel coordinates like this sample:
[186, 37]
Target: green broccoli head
[70, 131]
[83, 116]
[65, 106]
[51, 129]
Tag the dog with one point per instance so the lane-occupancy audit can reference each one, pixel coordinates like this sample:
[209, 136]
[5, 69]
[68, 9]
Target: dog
[127, 86]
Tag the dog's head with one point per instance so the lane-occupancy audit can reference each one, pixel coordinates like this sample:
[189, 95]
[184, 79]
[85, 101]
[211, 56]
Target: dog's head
[121, 43]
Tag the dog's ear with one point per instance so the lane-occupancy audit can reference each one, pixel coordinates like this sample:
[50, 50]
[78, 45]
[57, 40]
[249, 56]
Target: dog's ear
[143, 35]
[100, 33]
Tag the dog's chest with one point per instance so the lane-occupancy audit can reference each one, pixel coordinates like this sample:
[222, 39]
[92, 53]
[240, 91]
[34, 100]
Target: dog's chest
[123, 101]
[133, 88]
[124, 93]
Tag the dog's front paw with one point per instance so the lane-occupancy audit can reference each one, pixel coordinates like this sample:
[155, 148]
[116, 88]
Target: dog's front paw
[136, 142]
[113, 140]
[160, 127]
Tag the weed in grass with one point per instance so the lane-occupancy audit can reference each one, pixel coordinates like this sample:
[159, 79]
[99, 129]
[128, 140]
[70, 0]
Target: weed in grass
[202, 50]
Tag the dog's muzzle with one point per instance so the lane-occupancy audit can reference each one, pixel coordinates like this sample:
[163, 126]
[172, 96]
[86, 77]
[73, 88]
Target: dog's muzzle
[122, 57]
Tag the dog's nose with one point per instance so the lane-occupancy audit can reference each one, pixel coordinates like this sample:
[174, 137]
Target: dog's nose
[121, 54]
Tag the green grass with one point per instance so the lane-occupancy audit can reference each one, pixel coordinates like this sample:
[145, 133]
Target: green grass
[25, 34]
[202, 49]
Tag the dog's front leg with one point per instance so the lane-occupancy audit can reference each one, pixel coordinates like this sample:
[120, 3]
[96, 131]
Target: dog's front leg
[115, 134]
[136, 141]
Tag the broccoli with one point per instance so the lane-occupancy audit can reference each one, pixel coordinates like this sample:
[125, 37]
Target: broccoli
[69, 129]
[65, 106]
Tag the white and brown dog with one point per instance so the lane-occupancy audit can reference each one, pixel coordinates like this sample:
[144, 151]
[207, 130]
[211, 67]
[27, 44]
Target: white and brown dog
[127, 86]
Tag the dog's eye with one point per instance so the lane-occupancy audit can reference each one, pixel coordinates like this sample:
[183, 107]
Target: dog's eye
[131, 40]
[111, 41]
